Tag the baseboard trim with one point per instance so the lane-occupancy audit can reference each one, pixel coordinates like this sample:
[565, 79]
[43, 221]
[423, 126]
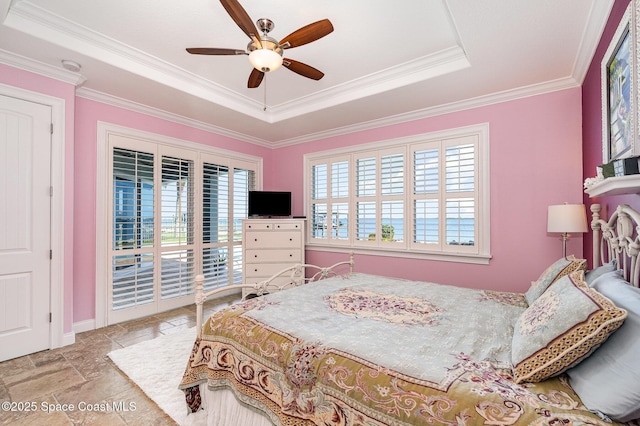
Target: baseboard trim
[68, 339]
[82, 326]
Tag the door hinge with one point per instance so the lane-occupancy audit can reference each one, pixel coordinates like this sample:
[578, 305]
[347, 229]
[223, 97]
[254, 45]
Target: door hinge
[50, 317]
[51, 128]
[51, 191]
[50, 254]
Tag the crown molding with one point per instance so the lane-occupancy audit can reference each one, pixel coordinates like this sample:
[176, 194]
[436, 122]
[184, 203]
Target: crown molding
[168, 116]
[591, 36]
[420, 69]
[495, 98]
[4, 9]
[40, 68]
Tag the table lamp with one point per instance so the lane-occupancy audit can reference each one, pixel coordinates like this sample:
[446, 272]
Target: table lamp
[566, 218]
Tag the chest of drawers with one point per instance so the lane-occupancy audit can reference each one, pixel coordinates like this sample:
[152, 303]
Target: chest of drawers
[269, 246]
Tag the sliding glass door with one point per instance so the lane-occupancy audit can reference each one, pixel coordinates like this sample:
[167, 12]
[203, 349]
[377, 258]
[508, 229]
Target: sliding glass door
[174, 213]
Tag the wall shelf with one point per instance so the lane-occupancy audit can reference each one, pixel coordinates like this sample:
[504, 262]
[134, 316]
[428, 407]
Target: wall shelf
[615, 186]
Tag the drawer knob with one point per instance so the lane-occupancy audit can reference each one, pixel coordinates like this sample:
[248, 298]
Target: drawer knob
[255, 255]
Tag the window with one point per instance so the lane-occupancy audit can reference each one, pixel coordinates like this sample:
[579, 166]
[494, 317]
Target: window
[424, 196]
[175, 211]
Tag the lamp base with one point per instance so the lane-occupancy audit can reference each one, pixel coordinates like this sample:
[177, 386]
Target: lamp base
[565, 237]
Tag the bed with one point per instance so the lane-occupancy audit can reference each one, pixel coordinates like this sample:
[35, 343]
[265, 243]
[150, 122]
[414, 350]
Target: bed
[347, 348]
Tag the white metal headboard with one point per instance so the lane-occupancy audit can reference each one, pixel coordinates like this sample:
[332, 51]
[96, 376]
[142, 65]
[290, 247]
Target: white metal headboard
[617, 238]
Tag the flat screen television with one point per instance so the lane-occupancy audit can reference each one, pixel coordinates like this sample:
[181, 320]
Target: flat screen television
[269, 203]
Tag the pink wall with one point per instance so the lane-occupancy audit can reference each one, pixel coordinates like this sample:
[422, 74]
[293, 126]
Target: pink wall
[36, 83]
[535, 161]
[535, 145]
[88, 113]
[592, 119]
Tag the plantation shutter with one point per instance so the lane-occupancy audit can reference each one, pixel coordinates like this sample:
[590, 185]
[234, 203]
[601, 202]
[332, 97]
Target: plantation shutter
[177, 258]
[215, 227]
[366, 188]
[132, 250]
[445, 194]
[392, 167]
[244, 180]
[426, 188]
[339, 222]
[319, 200]
[460, 194]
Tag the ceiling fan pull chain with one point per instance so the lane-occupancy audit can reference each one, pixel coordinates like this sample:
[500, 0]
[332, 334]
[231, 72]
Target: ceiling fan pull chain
[265, 93]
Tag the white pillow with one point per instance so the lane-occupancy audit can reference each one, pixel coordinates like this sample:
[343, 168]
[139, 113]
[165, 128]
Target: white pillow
[608, 381]
[592, 275]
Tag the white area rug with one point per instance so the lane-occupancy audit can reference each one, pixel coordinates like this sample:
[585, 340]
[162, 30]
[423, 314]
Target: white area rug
[156, 366]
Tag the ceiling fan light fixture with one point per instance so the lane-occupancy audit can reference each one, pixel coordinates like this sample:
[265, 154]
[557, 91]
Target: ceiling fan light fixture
[265, 60]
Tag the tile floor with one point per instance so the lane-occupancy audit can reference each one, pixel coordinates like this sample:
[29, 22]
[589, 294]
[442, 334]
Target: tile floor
[83, 372]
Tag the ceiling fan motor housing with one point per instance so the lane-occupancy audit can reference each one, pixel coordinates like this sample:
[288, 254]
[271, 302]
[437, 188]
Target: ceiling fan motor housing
[265, 25]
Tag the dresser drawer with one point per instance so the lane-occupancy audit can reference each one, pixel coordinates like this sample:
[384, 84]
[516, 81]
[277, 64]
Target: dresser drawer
[282, 256]
[273, 239]
[263, 270]
[258, 226]
[287, 226]
[269, 226]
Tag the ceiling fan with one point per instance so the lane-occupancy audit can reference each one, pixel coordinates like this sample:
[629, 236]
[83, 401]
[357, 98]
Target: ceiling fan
[265, 53]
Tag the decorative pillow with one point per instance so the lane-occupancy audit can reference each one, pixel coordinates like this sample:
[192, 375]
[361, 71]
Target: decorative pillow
[592, 275]
[555, 271]
[609, 380]
[560, 328]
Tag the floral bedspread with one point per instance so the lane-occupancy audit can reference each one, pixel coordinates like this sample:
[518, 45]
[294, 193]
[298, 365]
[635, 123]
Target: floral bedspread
[370, 350]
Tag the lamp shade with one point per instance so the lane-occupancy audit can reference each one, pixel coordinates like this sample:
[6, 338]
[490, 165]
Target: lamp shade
[265, 60]
[565, 218]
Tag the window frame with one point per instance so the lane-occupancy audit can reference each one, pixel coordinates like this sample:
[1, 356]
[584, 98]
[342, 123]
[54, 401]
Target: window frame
[480, 253]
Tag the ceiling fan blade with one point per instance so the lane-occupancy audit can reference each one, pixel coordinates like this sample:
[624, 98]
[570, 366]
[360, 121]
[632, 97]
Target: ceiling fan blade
[307, 34]
[214, 51]
[302, 69]
[242, 19]
[255, 78]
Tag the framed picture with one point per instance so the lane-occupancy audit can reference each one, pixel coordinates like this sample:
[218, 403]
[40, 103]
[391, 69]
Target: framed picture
[619, 102]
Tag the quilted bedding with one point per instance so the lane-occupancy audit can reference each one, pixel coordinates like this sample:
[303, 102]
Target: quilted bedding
[371, 350]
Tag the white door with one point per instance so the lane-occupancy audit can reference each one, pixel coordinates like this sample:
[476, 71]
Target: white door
[25, 228]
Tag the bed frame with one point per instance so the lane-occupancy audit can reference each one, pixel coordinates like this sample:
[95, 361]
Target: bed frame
[292, 276]
[617, 239]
